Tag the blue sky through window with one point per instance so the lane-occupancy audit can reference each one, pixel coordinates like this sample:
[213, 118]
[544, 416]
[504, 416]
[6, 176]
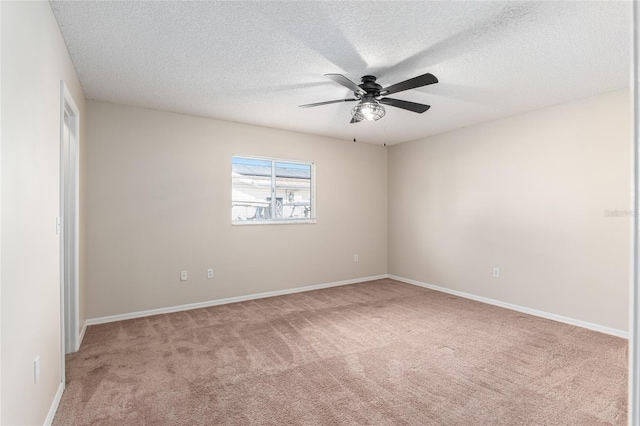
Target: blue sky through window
[251, 162]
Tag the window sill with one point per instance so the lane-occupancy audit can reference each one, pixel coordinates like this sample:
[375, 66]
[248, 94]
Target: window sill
[273, 222]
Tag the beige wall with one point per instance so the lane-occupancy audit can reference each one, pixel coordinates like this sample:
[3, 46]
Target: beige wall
[526, 194]
[159, 201]
[34, 60]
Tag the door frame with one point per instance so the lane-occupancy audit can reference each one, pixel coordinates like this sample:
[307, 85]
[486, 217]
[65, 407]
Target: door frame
[634, 305]
[69, 233]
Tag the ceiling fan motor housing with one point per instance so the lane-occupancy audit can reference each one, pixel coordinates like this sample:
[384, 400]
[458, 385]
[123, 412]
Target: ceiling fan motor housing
[370, 86]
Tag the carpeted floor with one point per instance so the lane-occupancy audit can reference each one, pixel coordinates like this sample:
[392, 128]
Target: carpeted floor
[376, 353]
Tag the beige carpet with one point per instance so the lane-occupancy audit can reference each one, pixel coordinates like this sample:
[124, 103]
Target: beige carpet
[376, 353]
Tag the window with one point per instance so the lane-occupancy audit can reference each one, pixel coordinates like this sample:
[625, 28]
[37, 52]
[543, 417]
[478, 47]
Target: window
[266, 190]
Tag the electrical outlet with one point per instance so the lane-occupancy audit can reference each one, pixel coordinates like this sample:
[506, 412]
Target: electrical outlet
[183, 275]
[210, 273]
[496, 272]
[36, 370]
[355, 257]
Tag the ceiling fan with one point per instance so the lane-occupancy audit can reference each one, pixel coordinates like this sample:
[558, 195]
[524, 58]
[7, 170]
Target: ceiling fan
[369, 93]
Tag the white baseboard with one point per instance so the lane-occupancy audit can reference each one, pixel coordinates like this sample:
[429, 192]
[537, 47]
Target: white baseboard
[81, 336]
[535, 312]
[530, 311]
[54, 405]
[198, 305]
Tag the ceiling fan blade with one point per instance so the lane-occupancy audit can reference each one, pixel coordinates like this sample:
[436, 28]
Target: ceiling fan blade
[410, 106]
[412, 83]
[353, 120]
[341, 79]
[326, 103]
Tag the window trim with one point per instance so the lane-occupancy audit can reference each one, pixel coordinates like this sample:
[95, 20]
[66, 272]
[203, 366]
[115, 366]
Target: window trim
[283, 221]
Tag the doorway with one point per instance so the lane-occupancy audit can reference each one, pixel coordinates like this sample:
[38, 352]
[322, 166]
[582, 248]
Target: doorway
[69, 228]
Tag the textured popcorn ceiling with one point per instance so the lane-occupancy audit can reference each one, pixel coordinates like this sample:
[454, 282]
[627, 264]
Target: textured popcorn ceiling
[255, 62]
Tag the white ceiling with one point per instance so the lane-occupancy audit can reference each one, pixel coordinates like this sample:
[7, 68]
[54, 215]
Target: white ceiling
[255, 62]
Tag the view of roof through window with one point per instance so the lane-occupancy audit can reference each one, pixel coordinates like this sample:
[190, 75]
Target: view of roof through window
[255, 167]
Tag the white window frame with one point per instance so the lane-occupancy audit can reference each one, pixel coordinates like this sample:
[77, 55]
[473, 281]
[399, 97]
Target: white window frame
[283, 220]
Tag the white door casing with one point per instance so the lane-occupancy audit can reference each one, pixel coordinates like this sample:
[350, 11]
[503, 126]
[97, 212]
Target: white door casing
[69, 214]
